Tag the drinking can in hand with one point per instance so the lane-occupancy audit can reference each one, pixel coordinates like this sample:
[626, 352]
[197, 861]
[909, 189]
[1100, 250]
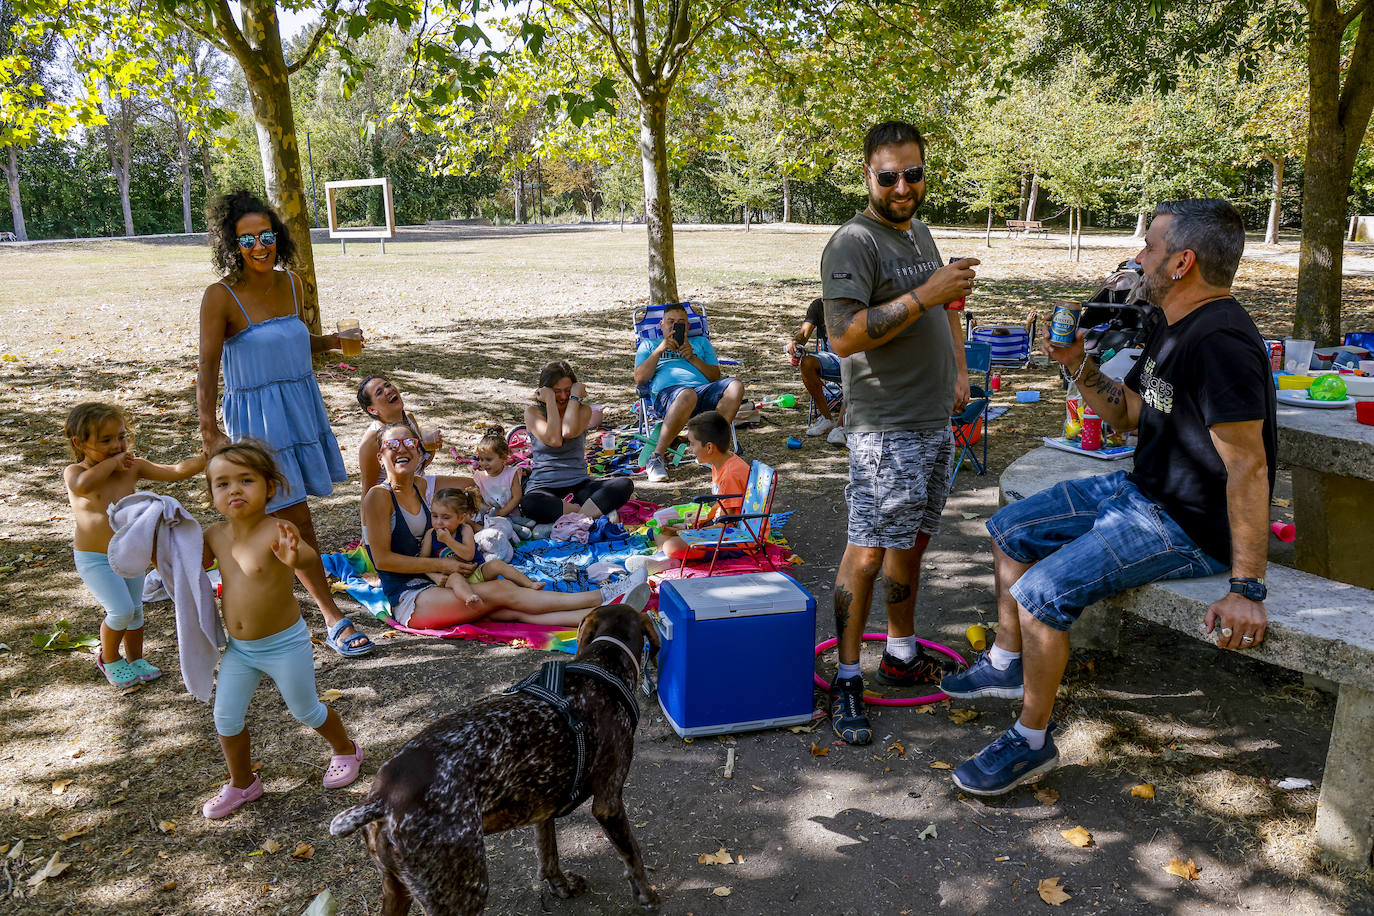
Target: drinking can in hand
[1090, 439]
[350, 336]
[957, 303]
[1064, 323]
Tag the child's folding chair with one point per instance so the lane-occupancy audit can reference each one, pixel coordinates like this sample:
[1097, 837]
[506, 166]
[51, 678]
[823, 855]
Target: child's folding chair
[971, 425]
[746, 530]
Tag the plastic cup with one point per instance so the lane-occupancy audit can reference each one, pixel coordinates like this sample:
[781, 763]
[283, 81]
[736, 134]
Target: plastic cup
[977, 636]
[1295, 382]
[667, 516]
[1297, 354]
[1364, 412]
[1366, 366]
[793, 442]
[1284, 532]
[350, 336]
[1064, 323]
[1090, 439]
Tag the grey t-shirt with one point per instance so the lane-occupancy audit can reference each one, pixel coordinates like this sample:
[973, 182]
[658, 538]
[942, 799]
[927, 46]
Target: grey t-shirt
[907, 384]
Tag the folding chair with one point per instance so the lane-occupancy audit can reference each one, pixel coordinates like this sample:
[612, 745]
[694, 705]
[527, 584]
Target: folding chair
[1009, 344]
[746, 530]
[971, 425]
[647, 326]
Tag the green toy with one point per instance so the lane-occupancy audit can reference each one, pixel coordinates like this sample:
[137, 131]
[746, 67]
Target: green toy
[1328, 388]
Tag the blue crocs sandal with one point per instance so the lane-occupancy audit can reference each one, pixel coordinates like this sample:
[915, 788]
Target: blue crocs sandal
[145, 669]
[118, 672]
[348, 648]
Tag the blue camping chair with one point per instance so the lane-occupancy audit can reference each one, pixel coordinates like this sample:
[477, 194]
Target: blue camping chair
[647, 327]
[979, 359]
[746, 530]
[833, 391]
[1010, 344]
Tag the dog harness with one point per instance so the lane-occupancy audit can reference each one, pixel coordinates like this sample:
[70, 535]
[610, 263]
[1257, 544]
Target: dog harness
[547, 684]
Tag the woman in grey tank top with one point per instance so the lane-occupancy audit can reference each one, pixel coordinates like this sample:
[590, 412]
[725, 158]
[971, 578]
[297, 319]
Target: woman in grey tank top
[557, 422]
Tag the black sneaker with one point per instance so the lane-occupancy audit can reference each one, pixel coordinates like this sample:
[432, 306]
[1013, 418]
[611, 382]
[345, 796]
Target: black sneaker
[847, 711]
[923, 668]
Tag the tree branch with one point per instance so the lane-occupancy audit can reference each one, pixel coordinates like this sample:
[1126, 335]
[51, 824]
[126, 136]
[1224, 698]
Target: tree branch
[234, 43]
[326, 26]
[607, 30]
[1351, 14]
[1357, 95]
[202, 26]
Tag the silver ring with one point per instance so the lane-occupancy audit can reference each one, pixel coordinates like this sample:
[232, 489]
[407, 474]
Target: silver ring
[1247, 639]
[1225, 632]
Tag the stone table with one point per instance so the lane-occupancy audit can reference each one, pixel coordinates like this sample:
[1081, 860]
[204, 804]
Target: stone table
[1331, 456]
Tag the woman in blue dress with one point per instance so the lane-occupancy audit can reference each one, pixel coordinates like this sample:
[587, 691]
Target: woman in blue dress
[250, 324]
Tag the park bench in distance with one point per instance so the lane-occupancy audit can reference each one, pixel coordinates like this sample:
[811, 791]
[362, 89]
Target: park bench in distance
[8, 236]
[1317, 626]
[1018, 226]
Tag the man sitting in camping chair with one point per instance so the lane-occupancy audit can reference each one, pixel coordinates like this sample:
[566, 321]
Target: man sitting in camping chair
[683, 377]
[818, 369]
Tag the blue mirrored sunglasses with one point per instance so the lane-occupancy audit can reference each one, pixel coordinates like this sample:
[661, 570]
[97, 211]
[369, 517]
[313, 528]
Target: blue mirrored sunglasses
[247, 240]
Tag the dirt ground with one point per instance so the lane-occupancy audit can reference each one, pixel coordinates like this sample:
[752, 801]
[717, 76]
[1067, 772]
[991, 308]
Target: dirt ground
[462, 319]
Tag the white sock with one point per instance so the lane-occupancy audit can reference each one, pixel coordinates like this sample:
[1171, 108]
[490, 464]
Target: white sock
[847, 671]
[902, 648]
[1001, 659]
[1035, 737]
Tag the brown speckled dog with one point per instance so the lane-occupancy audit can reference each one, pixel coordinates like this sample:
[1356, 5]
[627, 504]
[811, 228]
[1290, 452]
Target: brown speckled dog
[506, 761]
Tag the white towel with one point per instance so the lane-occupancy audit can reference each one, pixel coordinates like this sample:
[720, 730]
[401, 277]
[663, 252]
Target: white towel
[141, 520]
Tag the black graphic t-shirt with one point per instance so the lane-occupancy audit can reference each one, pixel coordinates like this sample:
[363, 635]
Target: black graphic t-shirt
[1210, 367]
[815, 313]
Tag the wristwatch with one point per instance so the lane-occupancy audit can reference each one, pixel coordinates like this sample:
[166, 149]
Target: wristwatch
[1250, 587]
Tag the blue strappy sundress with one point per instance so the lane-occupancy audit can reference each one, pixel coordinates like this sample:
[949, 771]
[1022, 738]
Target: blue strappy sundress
[270, 393]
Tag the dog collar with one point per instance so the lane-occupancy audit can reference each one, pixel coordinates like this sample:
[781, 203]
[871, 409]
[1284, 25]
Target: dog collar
[634, 659]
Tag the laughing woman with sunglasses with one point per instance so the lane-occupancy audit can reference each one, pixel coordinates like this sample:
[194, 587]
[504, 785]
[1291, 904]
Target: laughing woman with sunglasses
[250, 323]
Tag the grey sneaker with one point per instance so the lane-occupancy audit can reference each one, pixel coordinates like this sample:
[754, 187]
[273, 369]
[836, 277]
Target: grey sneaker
[658, 471]
[632, 591]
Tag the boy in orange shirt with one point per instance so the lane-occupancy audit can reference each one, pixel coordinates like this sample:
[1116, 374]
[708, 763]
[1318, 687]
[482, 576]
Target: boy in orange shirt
[708, 437]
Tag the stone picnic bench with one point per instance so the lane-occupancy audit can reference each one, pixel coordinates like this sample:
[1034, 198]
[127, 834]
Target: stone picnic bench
[1018, 226]
[1316, 626]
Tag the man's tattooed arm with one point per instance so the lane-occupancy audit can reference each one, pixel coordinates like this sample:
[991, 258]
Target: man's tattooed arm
[880, 322]
[1112, 401]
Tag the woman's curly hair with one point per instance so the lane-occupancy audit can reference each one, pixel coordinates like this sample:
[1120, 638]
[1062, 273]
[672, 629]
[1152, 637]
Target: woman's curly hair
[222, 217]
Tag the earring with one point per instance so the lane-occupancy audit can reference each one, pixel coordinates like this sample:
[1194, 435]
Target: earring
[1178, 276]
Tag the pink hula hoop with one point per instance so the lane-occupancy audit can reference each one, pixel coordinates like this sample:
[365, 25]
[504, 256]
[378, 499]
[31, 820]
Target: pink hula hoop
[886, 701]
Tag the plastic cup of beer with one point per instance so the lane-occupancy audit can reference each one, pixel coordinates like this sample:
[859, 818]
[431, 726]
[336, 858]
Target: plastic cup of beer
[350, 336]
[1064, 323]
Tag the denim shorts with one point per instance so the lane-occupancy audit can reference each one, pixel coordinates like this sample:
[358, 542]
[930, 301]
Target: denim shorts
[1089, 539]
[830, 365]
[708, 395]
[898, 484]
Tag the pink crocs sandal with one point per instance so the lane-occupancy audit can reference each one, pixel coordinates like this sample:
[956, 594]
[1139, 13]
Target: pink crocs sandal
[343, 768]
[230, 799]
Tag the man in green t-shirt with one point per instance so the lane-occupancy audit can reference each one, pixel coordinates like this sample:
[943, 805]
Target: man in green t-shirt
[886, 309]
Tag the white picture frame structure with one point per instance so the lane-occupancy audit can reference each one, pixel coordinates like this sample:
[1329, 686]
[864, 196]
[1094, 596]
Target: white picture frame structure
[343, 234]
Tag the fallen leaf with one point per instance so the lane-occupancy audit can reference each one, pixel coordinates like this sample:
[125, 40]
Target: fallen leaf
[77, 753]
[760, 788]
[969, 516]
[1144, 790]
[941, 765]
[330, 695]
[16, 692]
[1281, 503]
[132, 689]
[1051, 891]
[961, 716]
[898, 748]
[166, 826]
[391, 634]
[721, 892]
[17, 851]
[1185, 870]
[930, 833]
[60, 786]
[801, 729]
[51, 870]
[270, 846]
[715, 858]
[73, 834]
[1078, 836]
[1046, 796]
[170, 886]
[303, 851]
[818, 751]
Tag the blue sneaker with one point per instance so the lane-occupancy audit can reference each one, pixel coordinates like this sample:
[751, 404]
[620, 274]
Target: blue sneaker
[847, 711]
[981, 679]
[1007, 763]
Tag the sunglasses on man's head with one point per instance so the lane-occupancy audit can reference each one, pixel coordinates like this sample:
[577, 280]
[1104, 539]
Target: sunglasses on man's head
[394, 444]
[267, 238]
[912, 175]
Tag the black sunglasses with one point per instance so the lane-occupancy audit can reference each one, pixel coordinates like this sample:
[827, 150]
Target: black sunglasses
[913, 175]
[247, 240]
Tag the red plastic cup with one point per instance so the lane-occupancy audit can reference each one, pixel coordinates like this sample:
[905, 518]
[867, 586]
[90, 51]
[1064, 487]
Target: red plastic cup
[1284, 532]
[1090, 439]
[1364, 412]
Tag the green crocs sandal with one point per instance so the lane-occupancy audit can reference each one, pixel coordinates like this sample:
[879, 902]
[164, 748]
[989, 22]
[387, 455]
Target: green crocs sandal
[145, 669]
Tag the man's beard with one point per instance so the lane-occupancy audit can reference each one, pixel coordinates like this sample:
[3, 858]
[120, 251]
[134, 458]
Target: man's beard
[896, 213]
[1154, 287]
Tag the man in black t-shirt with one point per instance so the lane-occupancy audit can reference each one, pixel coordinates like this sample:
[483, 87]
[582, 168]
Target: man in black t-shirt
[1202, 398]
[817, 369]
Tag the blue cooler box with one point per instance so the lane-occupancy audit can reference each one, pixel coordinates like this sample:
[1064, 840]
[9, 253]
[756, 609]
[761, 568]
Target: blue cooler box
[738, 653]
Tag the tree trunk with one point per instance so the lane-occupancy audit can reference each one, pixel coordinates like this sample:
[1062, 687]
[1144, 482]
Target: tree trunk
[1078, 236]
[987, 240]
[275, 119]
[205, 169]
[658, 202]
[11, 166]
[1271, 229]
[184, 164]
[515, 194]
[1071, 233]
[622, 216]
[118, 138]
[1142, 220]
[1338, 119]
[1034, 196]
[748, 214]
[786, 199]
[1023, 196]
